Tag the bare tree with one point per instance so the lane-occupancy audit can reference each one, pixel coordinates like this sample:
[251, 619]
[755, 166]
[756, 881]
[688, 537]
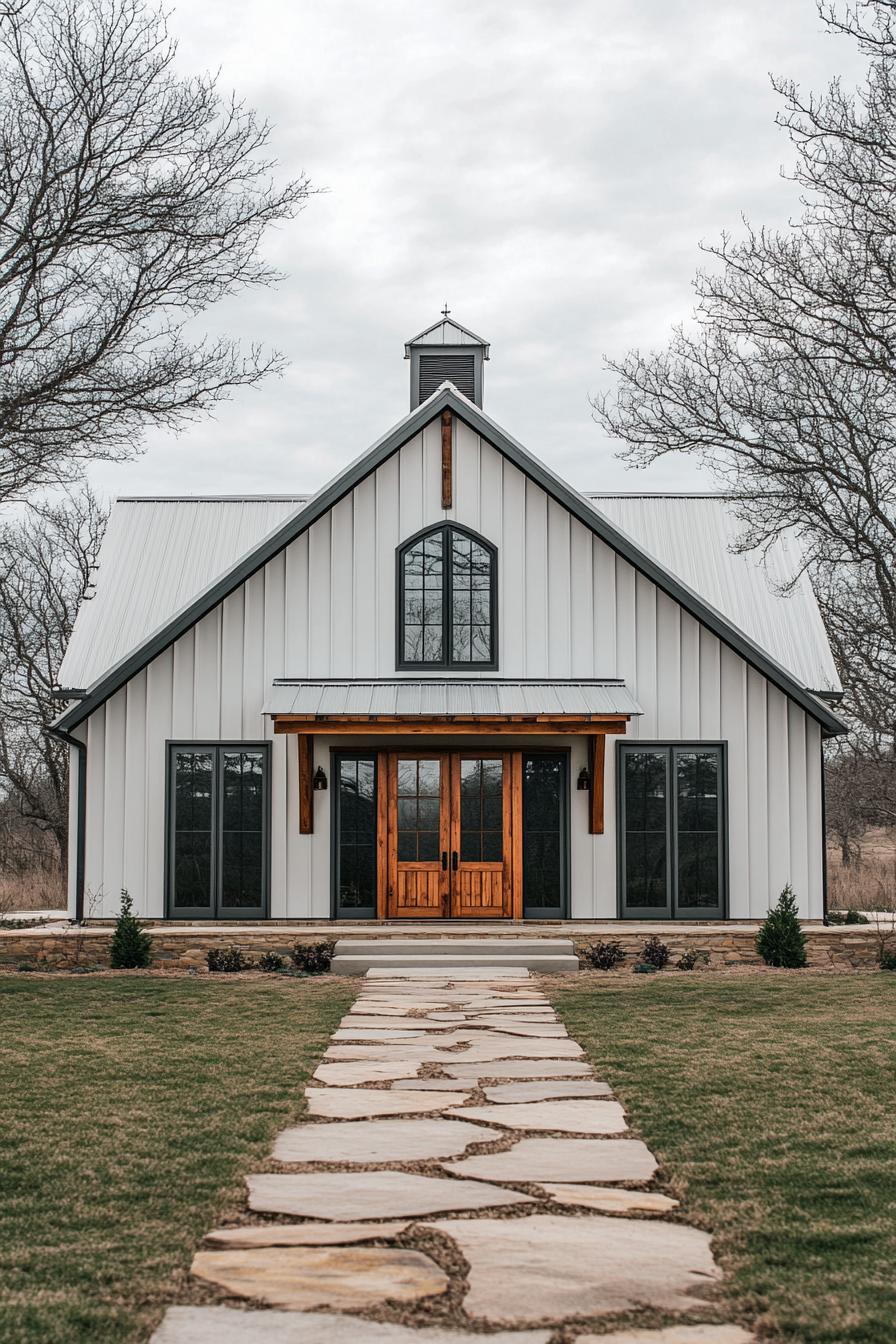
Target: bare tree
[784, 383]
[131, 199]
[45, 568]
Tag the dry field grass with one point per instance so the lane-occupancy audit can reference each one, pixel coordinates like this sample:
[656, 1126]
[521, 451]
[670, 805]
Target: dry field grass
[869, 883]
[35, 890]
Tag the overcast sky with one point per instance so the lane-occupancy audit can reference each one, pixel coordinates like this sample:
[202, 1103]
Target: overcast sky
[548, 167]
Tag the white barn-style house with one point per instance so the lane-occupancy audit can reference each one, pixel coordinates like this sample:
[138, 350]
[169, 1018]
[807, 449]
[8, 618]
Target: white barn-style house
[448, 685]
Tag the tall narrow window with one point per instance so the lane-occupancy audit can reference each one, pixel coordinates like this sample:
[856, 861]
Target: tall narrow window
[354, 829]
[672, 836]
[218, 808]
[545, 835]
[447, 600]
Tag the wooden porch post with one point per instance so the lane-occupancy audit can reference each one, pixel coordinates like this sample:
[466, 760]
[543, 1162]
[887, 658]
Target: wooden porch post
[306, 794]
[597, 754]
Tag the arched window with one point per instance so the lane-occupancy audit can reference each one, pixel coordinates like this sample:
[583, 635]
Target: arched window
[447, 600]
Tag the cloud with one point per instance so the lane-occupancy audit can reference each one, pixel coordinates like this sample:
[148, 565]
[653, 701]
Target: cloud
[548, 168]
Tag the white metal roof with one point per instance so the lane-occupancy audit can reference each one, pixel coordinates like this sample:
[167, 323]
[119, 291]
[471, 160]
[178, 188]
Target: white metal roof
[437, 698]
[693, 535]
[159, 553]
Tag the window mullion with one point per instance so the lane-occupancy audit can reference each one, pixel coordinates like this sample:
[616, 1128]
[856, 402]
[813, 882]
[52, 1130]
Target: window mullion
[218, 831]
[447, 597]
[672, 846]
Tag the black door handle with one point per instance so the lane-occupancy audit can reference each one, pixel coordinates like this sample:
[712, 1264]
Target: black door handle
[454, 860]
[444, 860]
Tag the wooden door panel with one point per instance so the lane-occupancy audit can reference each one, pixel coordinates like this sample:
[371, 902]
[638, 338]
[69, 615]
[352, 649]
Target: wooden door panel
[418, 893]
[417, 838]
[478, 893]
[481, 835]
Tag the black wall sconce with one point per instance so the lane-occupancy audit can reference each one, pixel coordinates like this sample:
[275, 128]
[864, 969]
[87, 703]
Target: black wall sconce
[319, 783]
[584, 781]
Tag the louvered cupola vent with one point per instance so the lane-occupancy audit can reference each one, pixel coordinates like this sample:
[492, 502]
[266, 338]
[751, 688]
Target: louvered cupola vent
[446, 352]
[456, 369]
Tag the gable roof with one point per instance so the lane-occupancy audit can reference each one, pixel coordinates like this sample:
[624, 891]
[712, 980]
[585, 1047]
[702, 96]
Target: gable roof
[301, 518]
[445, 332]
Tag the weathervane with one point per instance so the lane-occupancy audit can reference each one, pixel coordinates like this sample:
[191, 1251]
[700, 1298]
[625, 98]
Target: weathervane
[446, 310]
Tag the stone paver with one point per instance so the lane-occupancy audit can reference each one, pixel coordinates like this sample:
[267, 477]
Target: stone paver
[369, 1141]
[673, 1334]
[548, 1267]
[375, 1071]
[545, 1091]
[300, 1234]
[431, 1084]
[517, 1068]
[375, 1111]
[223, 1325]
[358, 1102]
[301, 1277]
[562, 1160]
[572, 1116]
[610, 1199]
[488, 1046]
[364, 1195]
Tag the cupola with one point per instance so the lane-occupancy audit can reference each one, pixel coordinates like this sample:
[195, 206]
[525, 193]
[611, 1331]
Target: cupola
[446, 351]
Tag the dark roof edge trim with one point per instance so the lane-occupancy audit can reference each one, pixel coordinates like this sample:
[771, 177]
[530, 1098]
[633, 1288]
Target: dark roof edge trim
[446, 398]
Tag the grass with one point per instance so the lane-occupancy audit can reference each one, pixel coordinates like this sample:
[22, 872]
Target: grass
[770, 1100]
[130, 1109]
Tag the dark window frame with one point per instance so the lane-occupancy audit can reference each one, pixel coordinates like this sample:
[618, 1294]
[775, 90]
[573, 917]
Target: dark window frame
[670, 746]
[565, 833]
[447, 661]
[218, 747]
[337, 756]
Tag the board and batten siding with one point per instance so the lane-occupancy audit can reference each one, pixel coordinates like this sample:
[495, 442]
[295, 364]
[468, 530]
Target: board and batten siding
[568, 607]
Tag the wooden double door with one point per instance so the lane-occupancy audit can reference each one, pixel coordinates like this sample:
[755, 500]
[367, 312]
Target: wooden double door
[449, 830]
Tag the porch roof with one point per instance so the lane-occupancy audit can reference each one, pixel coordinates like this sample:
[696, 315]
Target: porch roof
[431, 698]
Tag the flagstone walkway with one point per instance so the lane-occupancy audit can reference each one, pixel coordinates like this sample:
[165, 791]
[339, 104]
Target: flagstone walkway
[464, 1178]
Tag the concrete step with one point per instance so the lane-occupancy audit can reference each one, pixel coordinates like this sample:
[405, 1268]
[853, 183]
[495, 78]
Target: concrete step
[356, 956]
[452, 947]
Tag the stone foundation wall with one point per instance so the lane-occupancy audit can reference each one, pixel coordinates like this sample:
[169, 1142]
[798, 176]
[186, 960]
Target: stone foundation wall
[853, 948]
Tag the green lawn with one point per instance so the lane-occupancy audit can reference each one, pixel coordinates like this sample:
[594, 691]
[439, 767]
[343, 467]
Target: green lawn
[771, 1102]
[129, 1110]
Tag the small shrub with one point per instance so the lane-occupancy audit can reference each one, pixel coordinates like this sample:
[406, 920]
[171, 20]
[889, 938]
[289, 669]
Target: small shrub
[131, 946]
[655, 953]
[604, 956]
[694, 956]
[26, 966]
[856, 917]
[271, 961]
[836, 916]
[888, 959]
[781, 941]
[314, 958]
[228, 959]
[645, 968]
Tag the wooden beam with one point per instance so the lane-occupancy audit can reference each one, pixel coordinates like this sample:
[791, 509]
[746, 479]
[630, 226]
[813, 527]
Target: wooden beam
[446, 727]
[598, 745]
[306, 786]
[446, 460]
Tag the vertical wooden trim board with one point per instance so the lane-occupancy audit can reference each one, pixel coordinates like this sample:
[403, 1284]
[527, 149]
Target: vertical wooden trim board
[446, 460]
[306, 793]
[597, 753]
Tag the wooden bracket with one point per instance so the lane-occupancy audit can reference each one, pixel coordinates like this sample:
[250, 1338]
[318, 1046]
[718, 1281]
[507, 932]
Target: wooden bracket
[446, 459]
[306, 788]
[597, 753]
